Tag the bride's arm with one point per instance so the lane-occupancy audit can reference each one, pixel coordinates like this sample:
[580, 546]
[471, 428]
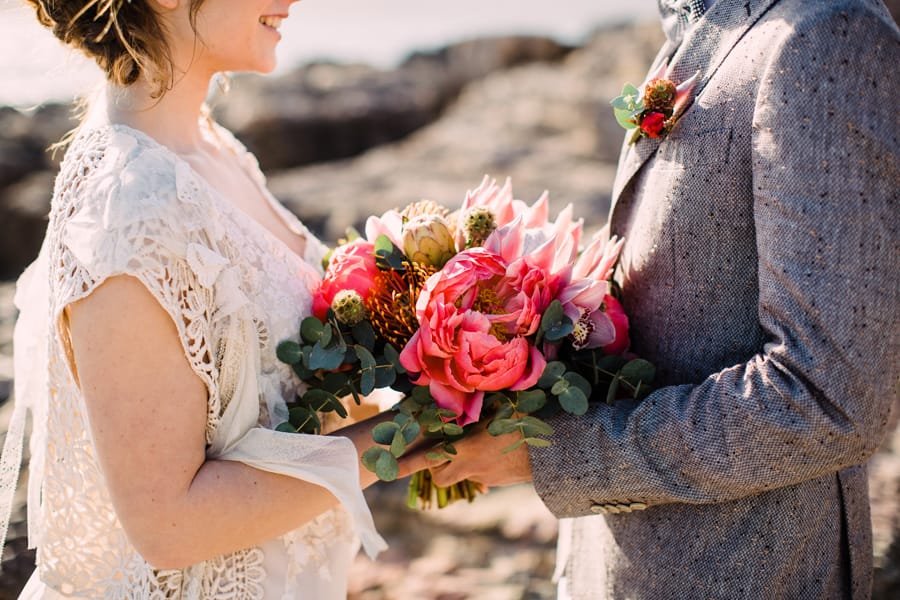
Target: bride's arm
[148, 412]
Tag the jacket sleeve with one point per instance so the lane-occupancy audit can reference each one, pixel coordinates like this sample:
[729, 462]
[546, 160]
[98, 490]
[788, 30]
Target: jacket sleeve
[817, 396]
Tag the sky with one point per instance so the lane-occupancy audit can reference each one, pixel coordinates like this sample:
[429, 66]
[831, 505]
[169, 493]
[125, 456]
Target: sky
[34, 67]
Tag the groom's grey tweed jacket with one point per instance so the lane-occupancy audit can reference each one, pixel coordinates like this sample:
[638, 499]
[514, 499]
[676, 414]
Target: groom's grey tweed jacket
[760, 273]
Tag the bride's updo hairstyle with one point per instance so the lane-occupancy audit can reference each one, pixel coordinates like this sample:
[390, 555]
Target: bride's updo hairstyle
[124, 37]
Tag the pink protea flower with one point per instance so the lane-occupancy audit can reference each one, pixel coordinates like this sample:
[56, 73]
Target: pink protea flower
[352, 267]
[475, 316]
[503, 208]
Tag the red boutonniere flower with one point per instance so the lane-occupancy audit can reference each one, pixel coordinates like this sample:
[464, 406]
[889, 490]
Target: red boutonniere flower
[652, 110]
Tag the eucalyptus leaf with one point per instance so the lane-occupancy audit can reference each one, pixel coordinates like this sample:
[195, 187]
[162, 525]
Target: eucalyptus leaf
[613, 390]
[559, 387]
[624, 118]
[328, 359]
[638, 370]
[447, 413]
[411, 431]
[580, 382]
[436, 456]
[505, 411]
[452, 429]
[450, 449]
[383, 433]
[538, 442]
[327, 334]
[559, 331]
[385, 376]
[552, 315]
[573, 401]
[531, 401]
[383, 243]
[532, 426]
[387, 467]
[422, 395]
[311, 329]
[286, 427]
[364, 334]
[316, 398]
[398, 444]
[302, 372]
[370, 457]
[611, 363]
[620, 103]
[289, 352]
[339, 408]
[335, 383]
[552, 372]
[367, 382]
[502, 426]
[304, 419]
[393, 356]
[514, 446]
[366, 360]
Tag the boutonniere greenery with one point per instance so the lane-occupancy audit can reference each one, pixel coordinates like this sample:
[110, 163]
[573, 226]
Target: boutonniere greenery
[653, 109]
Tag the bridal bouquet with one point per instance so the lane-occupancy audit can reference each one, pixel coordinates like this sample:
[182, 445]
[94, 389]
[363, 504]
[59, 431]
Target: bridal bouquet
[490, 314]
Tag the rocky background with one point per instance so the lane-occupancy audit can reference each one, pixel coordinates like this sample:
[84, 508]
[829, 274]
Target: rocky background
[340, 142]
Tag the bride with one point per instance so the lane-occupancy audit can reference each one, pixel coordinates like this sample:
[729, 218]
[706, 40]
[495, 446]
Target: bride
[145, 348]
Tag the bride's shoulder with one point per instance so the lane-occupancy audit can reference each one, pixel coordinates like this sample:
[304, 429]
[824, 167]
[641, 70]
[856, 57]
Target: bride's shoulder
[121, 175]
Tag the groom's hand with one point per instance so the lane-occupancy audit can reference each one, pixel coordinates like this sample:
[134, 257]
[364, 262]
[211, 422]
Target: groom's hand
[480, 458]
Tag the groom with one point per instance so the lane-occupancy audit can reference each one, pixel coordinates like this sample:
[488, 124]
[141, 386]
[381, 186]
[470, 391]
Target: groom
[760, 273]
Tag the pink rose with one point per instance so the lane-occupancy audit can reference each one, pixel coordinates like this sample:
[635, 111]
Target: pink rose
[474, 317]
[352, 267]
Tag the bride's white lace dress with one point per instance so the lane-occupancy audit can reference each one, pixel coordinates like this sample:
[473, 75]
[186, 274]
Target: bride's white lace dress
[124, 204]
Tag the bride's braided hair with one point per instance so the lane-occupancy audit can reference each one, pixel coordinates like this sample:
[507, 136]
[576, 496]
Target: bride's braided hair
[124, 37]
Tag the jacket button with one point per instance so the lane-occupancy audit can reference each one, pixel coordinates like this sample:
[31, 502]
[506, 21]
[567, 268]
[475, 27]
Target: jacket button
[598, 509]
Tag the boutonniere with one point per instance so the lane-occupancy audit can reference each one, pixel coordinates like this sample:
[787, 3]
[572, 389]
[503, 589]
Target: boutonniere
[653, 110]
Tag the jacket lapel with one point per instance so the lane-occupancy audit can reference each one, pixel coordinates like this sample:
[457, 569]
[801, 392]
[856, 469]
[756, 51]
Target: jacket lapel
[704, 49]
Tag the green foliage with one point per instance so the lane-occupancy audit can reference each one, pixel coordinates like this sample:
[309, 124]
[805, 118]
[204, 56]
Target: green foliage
[388, 256]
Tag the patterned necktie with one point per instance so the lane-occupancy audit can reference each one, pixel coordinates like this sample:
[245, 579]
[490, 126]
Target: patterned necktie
[679, 15]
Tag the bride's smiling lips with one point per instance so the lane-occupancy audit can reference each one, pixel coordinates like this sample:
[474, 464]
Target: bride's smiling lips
[272, 23]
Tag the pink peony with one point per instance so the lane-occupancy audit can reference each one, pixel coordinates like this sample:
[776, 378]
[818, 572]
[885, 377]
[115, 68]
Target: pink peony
[474, 317]
[619, 319]
[352, 267]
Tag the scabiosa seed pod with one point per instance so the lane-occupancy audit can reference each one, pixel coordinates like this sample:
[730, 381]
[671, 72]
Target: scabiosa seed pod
[479, 225]
[348, 307]
[659, 95]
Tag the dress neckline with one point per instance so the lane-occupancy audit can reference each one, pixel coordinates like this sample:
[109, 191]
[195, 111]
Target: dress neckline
[237, 215]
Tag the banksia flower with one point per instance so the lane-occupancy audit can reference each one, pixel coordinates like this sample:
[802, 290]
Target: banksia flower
[348, 307]
[479, 224]
[392, 305]
[427, 240]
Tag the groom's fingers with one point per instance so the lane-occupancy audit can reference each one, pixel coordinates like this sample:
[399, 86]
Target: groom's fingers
[417, 461]
[448, 474]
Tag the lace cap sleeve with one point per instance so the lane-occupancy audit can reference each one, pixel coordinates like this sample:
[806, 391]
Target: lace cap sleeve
[127, 209]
